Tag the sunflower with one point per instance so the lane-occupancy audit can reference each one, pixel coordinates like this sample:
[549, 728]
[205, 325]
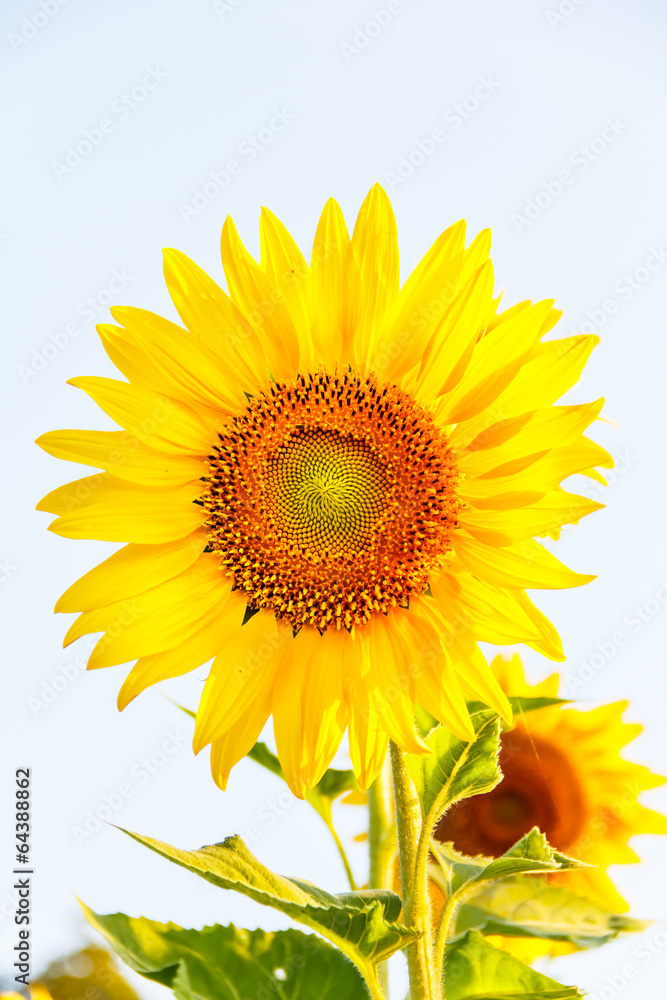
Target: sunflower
[330, 484]
[564, 773]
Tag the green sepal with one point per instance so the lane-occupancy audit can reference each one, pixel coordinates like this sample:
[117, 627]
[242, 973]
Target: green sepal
[362, 924]
[475, 970]
[527, 906]
[225, 963]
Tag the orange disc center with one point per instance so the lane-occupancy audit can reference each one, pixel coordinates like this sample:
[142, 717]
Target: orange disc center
[331, 498]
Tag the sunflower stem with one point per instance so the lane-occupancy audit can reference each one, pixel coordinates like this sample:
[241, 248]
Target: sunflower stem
[381, 844]
[414, 881]
[328, 819]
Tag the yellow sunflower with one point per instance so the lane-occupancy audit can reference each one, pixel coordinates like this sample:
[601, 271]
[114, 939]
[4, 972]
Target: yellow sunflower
[330, 484]
[563, 772]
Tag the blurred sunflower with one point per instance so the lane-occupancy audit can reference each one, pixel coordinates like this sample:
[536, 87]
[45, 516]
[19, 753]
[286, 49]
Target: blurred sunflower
[331, 484]
[564, 773]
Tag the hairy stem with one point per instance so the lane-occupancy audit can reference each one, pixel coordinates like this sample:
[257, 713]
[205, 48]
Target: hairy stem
[416, 902]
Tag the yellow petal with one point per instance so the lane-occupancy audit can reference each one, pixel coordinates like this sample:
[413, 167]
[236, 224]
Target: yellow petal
[373, 273]
[309, 710]
[120, 453]
[112, 510]
[525, 566]
[194, 651]
[367, 737]
[239, 739]
[287, 271]
[262, 305]
[158, 619]
[423, 301]
[151, 417]
[246, 666]
[495, 362]
[130, 571]
[327, 269]
[550, 427]
[187, 368]
[389, 681]
[551, 371]
[209, 313]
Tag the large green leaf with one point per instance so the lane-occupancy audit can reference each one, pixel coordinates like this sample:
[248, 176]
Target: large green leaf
[475, 970]
[530, 907]
[458, 873]
[362, 924]
[456, 770]
[227, 963]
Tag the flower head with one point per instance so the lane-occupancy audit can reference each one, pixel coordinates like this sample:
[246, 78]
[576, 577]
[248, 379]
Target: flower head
[564, 773]
[329, 483]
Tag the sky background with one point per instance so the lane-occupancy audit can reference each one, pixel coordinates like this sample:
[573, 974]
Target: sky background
[522, 90]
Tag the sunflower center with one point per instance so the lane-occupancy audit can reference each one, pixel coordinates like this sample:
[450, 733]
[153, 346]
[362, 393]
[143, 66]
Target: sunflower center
[539, 788]
[331, 498]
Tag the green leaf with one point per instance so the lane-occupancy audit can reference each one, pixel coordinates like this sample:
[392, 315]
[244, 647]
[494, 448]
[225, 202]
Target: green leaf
[362, 924]
[456, 770]
[530, 907]
[530, 855]
[475, 970]
[226, 963]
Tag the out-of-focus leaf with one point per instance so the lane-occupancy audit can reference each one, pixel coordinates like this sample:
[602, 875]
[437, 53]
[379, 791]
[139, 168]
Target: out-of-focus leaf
[528, 906]
[475, 970]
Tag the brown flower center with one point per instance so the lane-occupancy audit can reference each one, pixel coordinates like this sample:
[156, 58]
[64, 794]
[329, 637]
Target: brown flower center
[540, 788]
[330, 499]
